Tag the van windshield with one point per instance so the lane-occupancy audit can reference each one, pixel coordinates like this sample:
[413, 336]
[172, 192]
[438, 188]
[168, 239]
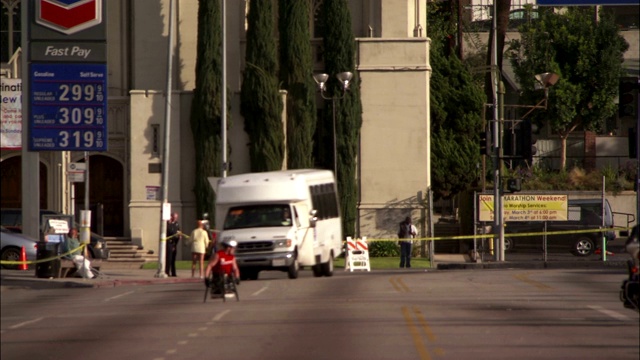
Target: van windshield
[250, 216]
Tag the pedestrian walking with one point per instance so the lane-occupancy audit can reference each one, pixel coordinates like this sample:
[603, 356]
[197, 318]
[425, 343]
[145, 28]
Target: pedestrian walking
[406, 231]
[199, 242]
[173, 238]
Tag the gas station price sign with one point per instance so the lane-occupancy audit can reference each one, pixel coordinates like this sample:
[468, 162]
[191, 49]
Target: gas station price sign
[68, 107]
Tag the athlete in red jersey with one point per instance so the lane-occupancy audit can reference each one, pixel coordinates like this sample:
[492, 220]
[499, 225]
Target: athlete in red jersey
[223, 261]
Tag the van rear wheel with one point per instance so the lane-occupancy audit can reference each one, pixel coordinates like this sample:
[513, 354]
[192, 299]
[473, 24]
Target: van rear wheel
[317, 270]
[584, 246]
[327, 268]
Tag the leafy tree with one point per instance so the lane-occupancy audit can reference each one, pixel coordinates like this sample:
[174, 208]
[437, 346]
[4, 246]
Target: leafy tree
[339, 56]
[260, 102]
[456, 107]
[206, 108]
[587, 54]
[296, 71]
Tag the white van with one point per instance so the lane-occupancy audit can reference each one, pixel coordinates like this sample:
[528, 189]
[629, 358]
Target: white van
[282, 220]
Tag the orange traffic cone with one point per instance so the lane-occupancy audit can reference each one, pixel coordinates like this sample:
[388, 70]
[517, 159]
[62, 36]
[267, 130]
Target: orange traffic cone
[23, 260]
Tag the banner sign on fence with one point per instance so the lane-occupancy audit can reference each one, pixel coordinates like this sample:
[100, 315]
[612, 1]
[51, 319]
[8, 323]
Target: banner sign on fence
[525, 207]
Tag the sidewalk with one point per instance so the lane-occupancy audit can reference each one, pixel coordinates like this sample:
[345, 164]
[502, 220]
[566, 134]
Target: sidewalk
[109, 277]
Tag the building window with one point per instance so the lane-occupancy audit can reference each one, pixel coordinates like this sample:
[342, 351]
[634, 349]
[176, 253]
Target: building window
[318, 25]
[10, 34]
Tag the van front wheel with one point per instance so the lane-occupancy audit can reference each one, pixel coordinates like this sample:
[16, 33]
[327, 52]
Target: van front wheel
[294, 269]
[584, 246]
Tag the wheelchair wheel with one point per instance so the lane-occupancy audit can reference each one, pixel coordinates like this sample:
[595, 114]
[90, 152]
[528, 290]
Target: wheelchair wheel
[209, 289]
[233, 288]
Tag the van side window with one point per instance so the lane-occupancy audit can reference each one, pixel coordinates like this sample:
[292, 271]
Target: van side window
[323, 199]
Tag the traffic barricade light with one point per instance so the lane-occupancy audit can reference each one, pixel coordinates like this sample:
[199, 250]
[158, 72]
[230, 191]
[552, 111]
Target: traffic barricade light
[627, 97]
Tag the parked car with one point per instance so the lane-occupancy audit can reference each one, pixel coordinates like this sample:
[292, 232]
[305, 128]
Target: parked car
[584, 214]
[11, 245]
[11, 219]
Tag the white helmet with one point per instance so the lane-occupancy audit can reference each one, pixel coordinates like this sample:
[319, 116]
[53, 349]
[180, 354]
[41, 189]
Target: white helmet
[231, 243]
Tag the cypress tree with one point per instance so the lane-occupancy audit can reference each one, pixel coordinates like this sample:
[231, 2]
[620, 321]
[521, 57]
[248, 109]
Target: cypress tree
[206, 107]
[456, 108]
[296, 76]
[260, 102]
[339, 56]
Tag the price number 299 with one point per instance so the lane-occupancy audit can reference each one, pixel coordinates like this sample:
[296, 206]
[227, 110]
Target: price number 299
[81, 92]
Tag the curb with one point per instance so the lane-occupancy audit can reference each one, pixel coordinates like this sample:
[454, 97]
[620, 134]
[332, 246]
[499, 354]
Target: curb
[10, 282]
[534, 265]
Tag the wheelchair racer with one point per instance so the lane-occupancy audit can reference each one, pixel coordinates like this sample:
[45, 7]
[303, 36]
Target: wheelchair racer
[221, 263]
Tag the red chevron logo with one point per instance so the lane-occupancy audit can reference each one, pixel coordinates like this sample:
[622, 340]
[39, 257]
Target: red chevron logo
[68, 16]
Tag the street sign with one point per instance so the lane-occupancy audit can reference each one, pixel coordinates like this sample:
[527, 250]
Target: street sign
[76, 172]
[526, 207]
[68, 107]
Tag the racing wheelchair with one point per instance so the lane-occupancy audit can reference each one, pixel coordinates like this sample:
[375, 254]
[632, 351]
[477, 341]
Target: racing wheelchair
[221, 286]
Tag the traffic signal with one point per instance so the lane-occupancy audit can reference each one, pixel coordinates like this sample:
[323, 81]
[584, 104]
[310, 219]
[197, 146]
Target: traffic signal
[633, 144]
[628, 97]
[528, 141]
[485, 143]
[514, 185]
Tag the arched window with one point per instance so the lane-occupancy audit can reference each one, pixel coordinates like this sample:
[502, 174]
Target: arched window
[10, 34]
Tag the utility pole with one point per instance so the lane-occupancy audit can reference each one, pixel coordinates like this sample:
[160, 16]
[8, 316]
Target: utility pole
[165, 211]
[497, 193]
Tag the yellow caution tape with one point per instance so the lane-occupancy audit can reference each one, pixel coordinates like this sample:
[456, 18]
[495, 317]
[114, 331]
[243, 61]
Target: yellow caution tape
[486, 236]
[8, 262]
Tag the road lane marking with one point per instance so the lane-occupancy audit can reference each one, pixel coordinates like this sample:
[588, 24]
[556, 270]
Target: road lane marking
[261, 290]
[424, 325]
[25, 323]
[118, 296]
[415, 335]
[219, 316]
[525, 278]
[614, 314]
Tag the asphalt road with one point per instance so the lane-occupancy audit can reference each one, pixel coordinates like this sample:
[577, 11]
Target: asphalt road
[466, 314]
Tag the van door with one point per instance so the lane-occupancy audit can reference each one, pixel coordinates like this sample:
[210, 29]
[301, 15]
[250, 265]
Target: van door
[304, 235]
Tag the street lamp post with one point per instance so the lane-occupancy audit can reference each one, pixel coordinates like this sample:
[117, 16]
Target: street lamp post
[345, 81]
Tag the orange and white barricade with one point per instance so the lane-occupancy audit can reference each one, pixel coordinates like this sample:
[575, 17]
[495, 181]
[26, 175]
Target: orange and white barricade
[357, 254]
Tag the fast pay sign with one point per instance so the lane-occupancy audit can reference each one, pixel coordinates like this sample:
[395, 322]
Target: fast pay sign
[525, 207]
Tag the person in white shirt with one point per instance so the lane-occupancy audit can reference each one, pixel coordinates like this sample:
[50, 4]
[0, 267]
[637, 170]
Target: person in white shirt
[407, 231]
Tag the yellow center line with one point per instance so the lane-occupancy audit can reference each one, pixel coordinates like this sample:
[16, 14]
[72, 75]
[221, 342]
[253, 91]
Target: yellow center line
[399, 285]
[415, 335]
[424, 325]
[393, 283]
[525, 278]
